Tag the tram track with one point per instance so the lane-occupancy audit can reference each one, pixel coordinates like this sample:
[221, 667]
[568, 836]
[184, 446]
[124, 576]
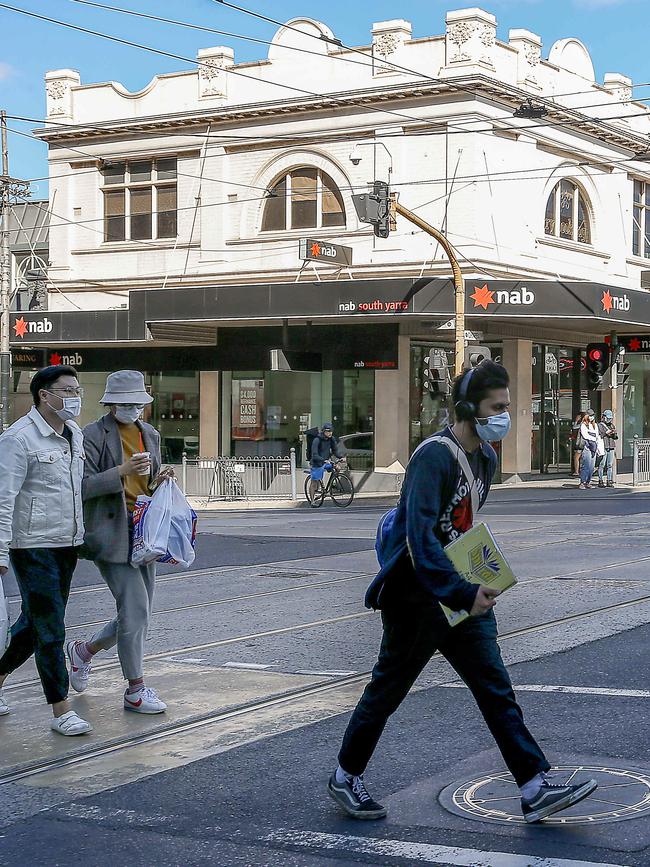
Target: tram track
[296, 627]
[32, 769]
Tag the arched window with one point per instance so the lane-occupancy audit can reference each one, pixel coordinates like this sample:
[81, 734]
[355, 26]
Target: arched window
[305, 198]
[567, 213]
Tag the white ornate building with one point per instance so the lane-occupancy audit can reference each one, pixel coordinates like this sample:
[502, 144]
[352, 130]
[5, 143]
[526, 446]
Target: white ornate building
[208, 178]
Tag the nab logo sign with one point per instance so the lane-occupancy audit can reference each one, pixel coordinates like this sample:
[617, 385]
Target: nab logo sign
[614, 302]
[74, 359]
[33, 326]
[483, 296]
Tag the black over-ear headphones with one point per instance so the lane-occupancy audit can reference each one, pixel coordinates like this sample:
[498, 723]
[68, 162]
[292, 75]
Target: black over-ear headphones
[465, 409]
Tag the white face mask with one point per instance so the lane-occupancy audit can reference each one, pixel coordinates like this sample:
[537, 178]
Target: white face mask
[71, 408]
[128, 413]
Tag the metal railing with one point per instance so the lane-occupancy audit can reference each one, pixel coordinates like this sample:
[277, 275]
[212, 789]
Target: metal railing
[641, 461]
[245, 478]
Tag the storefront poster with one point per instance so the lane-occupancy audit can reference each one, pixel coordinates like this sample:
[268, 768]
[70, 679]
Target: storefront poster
[248, 409]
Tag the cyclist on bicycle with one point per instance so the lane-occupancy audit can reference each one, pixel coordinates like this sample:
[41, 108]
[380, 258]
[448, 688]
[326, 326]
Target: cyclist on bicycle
[324, 447]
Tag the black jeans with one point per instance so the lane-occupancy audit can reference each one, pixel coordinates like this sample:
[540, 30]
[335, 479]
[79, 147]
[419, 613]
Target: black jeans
[44, 576]
[412, 634]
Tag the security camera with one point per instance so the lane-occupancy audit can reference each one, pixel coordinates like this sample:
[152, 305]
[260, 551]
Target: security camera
[355, 155]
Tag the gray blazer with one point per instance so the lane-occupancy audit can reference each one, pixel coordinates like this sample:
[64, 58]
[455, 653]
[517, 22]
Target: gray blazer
[105, 513]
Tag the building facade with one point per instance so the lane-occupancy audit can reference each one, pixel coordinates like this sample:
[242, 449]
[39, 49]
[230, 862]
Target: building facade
[177, 214]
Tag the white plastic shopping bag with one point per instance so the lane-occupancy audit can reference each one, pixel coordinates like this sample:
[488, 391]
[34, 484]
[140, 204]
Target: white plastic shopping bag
[5, 634]
[182, 531]
[164, 527]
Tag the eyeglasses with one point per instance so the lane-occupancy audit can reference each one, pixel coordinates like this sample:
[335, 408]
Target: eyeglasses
[68, 392]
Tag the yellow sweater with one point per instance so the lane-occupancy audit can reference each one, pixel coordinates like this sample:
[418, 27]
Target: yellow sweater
[132, 444]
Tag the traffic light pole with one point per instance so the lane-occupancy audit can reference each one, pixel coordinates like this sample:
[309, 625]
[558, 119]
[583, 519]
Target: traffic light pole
[459, 282]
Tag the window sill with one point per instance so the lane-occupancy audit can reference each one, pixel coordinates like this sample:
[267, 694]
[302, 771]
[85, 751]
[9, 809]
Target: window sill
[131, 246]
[639, 261]
[574, 246]
[297, 234]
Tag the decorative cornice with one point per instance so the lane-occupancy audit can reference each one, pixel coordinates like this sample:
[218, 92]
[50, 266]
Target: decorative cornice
[507, 95]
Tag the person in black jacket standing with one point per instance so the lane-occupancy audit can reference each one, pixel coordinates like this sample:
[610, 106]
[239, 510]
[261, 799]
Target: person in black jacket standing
[440, 487]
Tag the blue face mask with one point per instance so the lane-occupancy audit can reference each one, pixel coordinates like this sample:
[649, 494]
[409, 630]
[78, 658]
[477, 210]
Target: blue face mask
[493, 428]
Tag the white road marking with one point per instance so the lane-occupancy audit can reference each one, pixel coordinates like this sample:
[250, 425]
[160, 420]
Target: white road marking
[574, 690]
[253, 666]
[428, 853]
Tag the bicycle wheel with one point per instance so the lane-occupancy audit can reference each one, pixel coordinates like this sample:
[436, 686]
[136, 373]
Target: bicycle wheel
[319, 494]
[341, 490]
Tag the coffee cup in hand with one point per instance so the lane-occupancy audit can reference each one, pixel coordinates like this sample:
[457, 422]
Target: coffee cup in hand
[147, 455]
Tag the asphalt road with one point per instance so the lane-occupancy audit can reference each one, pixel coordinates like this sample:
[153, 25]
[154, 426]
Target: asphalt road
[262, 656]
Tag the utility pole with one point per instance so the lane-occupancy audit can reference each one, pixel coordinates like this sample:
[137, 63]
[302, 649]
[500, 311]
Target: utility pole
[459, 283]
[8, 187]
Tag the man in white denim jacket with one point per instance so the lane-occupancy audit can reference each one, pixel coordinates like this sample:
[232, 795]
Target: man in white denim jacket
[41, 529]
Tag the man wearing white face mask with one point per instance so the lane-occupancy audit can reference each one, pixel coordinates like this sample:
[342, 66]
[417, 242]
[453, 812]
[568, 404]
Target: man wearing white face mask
[41, 529]
[447, 480]
[122, 462]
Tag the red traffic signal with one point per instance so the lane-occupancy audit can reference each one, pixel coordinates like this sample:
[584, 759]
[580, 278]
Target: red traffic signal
[597, 364]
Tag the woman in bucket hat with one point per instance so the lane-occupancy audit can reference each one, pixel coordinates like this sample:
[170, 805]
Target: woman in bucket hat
[122, 462]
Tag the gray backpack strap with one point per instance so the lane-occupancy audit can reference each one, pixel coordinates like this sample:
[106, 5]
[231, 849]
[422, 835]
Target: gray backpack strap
[461, 457]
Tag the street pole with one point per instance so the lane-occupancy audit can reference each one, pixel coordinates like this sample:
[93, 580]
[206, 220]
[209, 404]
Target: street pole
[459, 283]
[5, 283]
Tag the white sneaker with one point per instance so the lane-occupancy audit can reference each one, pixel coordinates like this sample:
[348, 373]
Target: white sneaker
[79, 670]
[70, 724]
[4, 707]
[145, 700]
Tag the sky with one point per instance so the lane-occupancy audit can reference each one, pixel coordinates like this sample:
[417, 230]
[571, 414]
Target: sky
[614, 31]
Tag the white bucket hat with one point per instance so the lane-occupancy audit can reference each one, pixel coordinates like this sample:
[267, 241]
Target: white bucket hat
[126, 386]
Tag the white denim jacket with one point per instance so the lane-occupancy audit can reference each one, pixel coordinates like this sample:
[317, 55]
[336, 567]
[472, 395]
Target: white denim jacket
[40, 491]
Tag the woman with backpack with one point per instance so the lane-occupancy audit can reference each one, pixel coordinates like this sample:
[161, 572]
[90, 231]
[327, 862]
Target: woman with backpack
[588, 441]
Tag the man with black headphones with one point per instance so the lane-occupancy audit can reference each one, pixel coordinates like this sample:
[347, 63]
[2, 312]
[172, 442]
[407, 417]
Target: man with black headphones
[447, 481]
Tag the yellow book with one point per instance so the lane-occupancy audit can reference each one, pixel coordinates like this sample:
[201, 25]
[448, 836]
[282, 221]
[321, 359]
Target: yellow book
[478, 558]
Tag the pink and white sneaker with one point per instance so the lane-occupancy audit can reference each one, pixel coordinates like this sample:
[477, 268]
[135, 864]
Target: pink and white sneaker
[145, 700]
[79, 670]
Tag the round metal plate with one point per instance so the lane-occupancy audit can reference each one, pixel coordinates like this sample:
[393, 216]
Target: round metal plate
[622, 793]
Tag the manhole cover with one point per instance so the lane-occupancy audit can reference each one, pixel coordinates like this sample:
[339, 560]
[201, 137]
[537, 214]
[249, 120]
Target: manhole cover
[622, 793]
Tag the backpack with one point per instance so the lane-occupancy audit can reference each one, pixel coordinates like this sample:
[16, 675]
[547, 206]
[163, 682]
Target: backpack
[310, 436]
[387, 520]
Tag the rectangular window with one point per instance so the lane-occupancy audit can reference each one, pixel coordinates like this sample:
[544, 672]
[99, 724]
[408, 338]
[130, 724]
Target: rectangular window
[641, 219]
[140, 200]
[166, 212]
[304, 184]
[114, 219]
[140, 213]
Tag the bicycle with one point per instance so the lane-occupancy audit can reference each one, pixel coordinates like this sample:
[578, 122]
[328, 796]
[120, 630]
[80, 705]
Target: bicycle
[339, 487]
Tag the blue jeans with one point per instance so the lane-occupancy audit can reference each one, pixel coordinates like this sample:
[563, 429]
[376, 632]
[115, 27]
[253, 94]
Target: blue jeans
[587, 462]
[412, 634]
[607, 463]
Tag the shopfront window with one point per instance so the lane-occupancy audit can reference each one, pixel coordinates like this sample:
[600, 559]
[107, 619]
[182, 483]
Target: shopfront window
[559, 394]
[636, 400]
[269, 412]
[175, 413]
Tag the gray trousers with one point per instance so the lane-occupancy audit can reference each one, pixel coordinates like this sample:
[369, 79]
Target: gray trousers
[133, 589]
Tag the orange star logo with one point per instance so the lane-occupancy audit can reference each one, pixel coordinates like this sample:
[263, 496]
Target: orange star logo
[315, 249]
[634, 345]
[20, 327]
[606, 301]
[55, 359]
[482, 296]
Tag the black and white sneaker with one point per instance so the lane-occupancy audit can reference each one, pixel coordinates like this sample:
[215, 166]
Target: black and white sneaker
[352, 796]
[551, 798]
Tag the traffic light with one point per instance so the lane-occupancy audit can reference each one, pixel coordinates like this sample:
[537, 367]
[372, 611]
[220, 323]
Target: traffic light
[474, 355]
[597, 364]
[435, 376]
[375, 208]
